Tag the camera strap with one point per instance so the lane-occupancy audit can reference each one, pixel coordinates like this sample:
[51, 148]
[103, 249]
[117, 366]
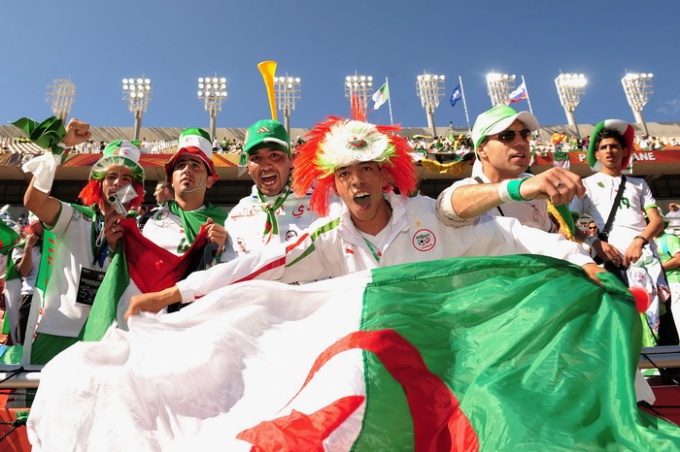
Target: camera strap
[612, 213]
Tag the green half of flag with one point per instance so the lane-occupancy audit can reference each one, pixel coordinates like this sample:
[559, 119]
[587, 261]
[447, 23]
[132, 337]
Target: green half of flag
[525, 346]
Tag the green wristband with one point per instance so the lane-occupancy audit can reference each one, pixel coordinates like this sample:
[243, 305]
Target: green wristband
[513, 189]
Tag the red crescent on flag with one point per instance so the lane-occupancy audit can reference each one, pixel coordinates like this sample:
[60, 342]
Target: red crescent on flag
[438, 422]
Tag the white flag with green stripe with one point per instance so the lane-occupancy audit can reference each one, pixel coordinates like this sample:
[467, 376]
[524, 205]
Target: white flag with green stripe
[381, 96]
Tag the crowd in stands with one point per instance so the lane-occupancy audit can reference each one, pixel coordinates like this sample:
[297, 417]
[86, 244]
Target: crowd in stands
[449, 147]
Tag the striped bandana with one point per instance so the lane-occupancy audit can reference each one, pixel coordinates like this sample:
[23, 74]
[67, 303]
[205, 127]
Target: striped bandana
[271, 226]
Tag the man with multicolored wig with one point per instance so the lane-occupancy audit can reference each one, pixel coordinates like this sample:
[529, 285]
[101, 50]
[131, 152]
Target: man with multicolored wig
[86, 235]
[363, 163]
[191, 172]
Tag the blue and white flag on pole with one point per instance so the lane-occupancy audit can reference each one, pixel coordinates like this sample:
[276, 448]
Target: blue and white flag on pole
[456, 95]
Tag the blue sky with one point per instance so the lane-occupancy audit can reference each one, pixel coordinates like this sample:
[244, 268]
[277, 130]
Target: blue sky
[96, 44]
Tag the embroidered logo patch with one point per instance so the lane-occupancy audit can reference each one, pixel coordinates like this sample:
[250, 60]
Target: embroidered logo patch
[424, 240]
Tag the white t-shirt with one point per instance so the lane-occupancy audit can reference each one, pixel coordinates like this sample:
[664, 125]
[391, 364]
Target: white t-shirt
[165, 229]
[73, 254]
[629, 221]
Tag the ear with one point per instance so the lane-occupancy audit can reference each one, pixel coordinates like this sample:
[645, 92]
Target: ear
[210, 181]
[481, 150]
[385, 176]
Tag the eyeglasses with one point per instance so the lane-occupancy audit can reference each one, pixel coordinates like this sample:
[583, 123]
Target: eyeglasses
[509, 135]
[592, 227]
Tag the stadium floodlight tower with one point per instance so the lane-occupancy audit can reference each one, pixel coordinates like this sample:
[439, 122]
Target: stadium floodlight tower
[288, 91]
[570, 89]
[61, 95]
[500, 86]
[213, 92]
[430, 89]
[137, 92]
[638, 88]
[358, 89]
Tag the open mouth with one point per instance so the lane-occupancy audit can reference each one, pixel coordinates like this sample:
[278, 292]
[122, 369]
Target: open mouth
[268, 180]
[363, 200]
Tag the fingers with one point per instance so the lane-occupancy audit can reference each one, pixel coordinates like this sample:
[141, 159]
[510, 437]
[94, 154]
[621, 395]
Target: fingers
[112, 230]
[76, 132]
[216, 233]
[561, 185]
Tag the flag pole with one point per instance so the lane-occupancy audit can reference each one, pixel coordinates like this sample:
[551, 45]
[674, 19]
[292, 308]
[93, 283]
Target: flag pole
[526, 90]
[462, 93]
[528, 98]
[389, 101]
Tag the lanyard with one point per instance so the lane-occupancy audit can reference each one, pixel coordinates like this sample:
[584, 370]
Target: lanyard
[376, 253]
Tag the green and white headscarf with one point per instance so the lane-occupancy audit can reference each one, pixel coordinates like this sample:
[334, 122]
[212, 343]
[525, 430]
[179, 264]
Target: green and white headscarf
[119, 153]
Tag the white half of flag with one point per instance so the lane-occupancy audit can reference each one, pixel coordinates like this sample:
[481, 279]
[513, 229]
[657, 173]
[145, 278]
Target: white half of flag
[381, 96]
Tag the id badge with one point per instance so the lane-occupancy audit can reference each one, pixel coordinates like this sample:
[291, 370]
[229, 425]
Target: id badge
[90, 280]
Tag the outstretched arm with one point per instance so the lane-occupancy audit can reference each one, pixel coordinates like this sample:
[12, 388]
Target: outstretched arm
[470, 201]
[45, 207]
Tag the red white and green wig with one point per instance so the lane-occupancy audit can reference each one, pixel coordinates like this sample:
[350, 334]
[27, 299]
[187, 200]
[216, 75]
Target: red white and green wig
[196, 142]
[617, 125]
[341, 142]
[118, 153]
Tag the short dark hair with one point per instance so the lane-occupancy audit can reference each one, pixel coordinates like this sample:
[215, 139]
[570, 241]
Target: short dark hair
[610, 133]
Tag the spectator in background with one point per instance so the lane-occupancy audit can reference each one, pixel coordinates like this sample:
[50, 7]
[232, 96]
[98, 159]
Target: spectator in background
[673, 215]
[628, 250]
[592, 229]
[163, 194]
[669, 254]
[26, 259]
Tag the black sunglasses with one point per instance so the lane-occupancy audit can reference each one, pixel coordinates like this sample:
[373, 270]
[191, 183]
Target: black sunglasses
[509, 135]
[592, 227]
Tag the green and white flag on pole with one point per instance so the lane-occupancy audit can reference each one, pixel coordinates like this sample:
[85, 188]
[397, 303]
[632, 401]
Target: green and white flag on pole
[504, 353]
[381, 96]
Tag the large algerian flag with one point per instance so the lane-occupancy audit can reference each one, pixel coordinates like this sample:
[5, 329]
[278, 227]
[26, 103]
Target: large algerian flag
[508, 353]
[381, 96]
[139, 266]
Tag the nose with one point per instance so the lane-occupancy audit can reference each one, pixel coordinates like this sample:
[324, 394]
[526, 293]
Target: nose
[355, 177]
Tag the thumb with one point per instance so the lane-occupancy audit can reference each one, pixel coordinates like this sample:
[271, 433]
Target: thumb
[210, 221]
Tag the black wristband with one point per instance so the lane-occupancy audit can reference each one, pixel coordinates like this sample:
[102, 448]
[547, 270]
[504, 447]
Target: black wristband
[643, 239]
